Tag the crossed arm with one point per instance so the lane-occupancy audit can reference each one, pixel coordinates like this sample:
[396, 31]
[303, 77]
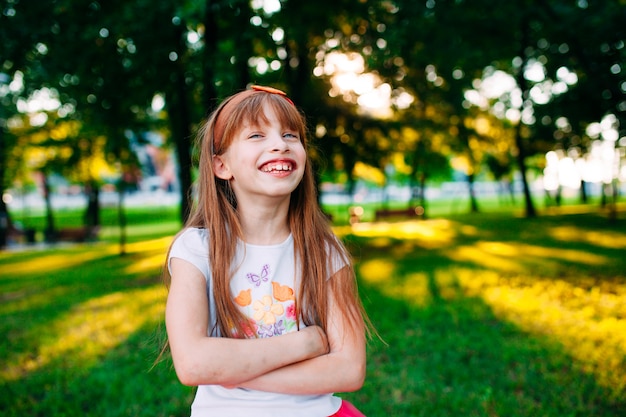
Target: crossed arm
[305, 362]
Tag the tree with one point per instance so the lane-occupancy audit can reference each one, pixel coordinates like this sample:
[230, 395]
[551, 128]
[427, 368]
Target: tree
[18, 53]
[107, 65]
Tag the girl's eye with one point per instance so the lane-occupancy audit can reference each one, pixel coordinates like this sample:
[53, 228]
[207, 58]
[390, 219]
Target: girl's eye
[290, 135]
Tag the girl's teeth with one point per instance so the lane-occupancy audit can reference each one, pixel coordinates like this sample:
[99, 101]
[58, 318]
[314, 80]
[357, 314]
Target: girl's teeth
[277, 167]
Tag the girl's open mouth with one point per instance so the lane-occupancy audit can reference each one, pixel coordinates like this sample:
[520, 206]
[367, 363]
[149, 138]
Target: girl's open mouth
[278, 166]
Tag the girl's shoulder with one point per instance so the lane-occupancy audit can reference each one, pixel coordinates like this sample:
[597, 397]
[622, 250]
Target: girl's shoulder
[192, 245]
[193, 233]
[336, 254]
[192, 237]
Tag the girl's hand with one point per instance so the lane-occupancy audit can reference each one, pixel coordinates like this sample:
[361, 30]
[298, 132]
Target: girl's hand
[340, 362]
[316, 342]
[203, 360]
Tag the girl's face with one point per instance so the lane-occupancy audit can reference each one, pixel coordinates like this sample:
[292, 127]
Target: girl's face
[265, 159]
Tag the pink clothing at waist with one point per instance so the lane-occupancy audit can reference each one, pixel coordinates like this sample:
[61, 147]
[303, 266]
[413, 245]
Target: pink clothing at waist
[347, 410]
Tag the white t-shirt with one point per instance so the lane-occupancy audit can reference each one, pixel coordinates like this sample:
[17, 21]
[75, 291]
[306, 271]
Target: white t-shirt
[264, 288]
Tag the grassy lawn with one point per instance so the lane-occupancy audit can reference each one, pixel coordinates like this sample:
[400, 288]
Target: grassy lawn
[483, 315]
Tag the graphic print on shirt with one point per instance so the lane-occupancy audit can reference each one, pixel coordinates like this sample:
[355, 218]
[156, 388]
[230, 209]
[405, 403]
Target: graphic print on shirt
[262, 277]
[269, 305]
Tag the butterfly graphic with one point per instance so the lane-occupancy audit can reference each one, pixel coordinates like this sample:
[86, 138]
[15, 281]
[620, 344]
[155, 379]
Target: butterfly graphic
[258, 279]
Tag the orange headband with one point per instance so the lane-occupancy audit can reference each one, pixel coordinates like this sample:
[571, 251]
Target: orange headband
[233, 102]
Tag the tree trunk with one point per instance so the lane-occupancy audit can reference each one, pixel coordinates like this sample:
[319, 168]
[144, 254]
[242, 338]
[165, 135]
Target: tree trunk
[49, 231]
[418, 178]
[584, 198]
[5, 220]
[521, 164]
[422, 195]
[613, 207]
[92, 213]
[209, 55]
[519, 140]
[178, 109]
[471, 176]
[244, 44]
[472, 193]
[121, 215]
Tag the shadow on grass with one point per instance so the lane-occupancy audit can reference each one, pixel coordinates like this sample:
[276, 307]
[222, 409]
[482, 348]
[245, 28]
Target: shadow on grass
[81, 335]
[44, 301]
[437, 292]
[119, 383]
[455, 348]
[456, 358]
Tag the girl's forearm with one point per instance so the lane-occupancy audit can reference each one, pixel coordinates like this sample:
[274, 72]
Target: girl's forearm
[320, 375]
[202, 360]
[341, 370]
[228, 362]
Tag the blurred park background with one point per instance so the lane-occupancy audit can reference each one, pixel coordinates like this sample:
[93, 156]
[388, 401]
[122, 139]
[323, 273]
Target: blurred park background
[471, 154]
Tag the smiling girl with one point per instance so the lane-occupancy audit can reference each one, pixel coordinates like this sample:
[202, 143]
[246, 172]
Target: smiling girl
[263, 313]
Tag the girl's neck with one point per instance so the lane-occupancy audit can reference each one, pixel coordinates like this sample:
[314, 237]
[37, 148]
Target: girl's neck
[264, 225]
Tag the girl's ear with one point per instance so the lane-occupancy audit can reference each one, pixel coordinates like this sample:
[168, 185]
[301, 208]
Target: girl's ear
[220, 169]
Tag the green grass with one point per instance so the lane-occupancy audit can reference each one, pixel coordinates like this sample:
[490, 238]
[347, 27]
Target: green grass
[141, 222]
[482, 315]
[492, 315]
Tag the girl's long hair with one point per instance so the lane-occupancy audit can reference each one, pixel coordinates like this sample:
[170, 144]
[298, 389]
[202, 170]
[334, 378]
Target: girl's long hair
[216, 211]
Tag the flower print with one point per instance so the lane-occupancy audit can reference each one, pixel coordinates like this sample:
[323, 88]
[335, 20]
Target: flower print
[291, 311]
[282, 292]
[270, 330]
[266, 310]
[266, 330]
[279, 328]
[244, 298]
[249, 328]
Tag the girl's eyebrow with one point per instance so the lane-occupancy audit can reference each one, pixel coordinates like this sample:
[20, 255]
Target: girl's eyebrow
[260, 124]
[252, 126]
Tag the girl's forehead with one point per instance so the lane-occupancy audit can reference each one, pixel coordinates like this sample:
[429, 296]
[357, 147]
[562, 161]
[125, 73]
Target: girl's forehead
[265, 116]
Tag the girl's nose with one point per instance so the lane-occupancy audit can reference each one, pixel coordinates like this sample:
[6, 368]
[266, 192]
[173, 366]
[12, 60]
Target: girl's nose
[279, 144]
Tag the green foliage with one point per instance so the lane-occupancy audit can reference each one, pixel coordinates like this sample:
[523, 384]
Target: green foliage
[108, 59]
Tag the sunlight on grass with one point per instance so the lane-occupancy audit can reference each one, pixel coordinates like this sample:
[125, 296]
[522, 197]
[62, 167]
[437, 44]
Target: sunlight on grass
[583, 312]
[507, 256]
[605, 238]
[498, 259]
[431, 233]
[55, 262]
[146, 264]
[413, 287]
[481, 315]
[92, 328]
[160, 244]
[89, 330]
[587, 318]
[377, 271]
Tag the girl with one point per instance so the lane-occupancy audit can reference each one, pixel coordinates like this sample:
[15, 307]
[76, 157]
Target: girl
[262, 312]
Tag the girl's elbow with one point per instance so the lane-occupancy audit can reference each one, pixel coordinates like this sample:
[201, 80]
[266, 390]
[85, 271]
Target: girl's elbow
[355, 378]
[192, 375]
[358, 381]
[186, 375]
[188, 372]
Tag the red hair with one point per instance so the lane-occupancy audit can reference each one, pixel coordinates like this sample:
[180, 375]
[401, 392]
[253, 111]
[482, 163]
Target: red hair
[216, 211]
